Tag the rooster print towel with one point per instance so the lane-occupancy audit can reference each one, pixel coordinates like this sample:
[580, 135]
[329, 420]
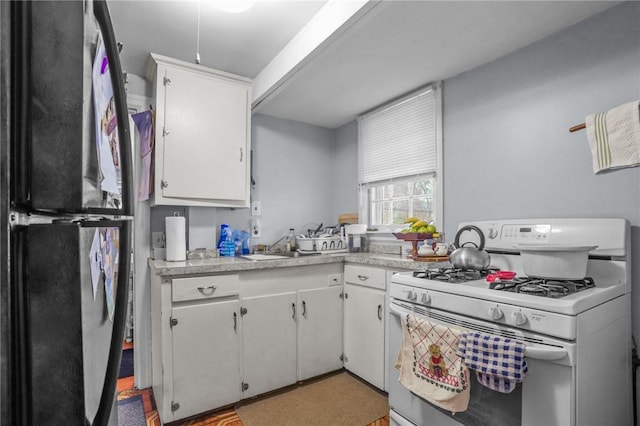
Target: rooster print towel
[430, 366]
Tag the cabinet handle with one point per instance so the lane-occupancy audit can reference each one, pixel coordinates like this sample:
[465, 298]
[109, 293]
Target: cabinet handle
[235, 322]
[241, 156]
[304, 308]
[293, 307]
[380, 312]
[207, 291]
[363, 277]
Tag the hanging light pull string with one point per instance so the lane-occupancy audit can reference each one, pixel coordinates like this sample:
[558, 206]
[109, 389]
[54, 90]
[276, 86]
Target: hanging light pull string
[198, 36]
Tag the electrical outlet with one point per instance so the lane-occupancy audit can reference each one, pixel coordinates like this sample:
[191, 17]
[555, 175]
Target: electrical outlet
[334, 279]
[256, 228]
[157, 239]
[256, 209]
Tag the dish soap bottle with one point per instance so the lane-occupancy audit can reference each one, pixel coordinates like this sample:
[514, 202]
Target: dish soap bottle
[291, 240]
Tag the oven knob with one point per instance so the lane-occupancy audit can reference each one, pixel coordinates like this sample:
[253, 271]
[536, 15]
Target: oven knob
[425, 298]
[411, 295]
[493, 233]
[519, 318]
[495, 313]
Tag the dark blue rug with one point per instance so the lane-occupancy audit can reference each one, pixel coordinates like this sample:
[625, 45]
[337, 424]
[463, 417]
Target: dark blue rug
[126, 365]
[131, 412]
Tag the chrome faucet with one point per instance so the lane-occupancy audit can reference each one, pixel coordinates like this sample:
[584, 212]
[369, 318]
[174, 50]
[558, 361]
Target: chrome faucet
[270, 248]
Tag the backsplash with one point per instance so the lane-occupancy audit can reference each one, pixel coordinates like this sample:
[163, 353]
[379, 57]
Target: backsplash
[385, 248]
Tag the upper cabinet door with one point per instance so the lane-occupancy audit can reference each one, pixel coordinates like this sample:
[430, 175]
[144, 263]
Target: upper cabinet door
[202, 137]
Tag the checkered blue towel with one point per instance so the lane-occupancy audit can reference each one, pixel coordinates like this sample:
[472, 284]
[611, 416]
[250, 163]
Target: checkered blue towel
[499, 362]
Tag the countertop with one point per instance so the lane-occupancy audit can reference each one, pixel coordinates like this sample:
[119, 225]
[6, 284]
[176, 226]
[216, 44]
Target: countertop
[239, 264]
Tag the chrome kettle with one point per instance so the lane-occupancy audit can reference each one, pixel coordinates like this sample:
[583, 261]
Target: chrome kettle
[474, 258]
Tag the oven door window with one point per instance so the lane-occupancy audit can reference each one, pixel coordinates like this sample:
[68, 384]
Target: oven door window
[488, 407]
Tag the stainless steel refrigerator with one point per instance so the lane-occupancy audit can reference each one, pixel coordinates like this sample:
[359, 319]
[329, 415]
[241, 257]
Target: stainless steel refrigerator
[66, 211]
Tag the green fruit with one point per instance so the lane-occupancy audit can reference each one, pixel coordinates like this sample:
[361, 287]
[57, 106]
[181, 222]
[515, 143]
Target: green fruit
[430, 229]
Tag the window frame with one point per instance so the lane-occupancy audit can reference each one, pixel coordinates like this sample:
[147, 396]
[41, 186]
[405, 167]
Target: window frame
[364, 203]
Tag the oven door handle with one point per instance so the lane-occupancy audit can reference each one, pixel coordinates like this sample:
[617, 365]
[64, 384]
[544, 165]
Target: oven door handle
[395, 311]
[546, 354]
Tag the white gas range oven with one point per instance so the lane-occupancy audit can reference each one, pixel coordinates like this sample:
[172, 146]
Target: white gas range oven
[577, 334]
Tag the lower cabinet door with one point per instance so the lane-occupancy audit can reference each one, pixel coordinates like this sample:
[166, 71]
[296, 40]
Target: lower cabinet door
[206, 357]
[364, 333]
[319, 331]
[269, 342]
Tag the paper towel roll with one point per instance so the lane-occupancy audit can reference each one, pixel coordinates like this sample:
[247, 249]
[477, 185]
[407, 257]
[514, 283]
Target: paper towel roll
[175, 231]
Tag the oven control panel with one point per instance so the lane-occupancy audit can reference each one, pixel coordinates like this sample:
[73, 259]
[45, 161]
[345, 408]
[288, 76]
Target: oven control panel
[610, 235]
[538, 233]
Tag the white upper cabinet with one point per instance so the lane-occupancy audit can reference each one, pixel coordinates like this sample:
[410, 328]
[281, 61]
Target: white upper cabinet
[202, 135]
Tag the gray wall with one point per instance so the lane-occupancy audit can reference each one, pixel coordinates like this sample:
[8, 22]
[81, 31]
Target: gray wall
[507, 149]
[345, 165]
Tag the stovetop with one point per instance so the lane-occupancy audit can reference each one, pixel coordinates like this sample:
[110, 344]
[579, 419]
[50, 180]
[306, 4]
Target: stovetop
[468, 291]
[542, 287]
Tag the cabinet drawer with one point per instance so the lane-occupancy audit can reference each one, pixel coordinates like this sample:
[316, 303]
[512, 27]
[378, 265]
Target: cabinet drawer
[204, 287]
[365, 276]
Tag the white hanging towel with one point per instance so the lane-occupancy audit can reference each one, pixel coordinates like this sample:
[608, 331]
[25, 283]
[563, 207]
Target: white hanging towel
[614, 137]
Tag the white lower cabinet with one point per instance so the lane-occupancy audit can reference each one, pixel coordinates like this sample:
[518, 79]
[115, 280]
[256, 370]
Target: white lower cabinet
[217, 339]
[206, 357]
[364, 322]
[291, 325]
[196, 342]
[269, 342]
[319, 331]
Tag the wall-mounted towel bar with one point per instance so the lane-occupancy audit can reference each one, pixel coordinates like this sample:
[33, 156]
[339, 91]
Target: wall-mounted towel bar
[577, 127]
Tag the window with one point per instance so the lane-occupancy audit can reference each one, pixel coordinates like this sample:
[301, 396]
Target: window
[400, 159]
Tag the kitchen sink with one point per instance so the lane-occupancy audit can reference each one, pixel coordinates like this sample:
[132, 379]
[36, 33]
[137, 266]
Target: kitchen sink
[284, 253]
[271, 256]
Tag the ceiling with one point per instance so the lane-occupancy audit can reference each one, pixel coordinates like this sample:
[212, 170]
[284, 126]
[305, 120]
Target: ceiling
[391, 49]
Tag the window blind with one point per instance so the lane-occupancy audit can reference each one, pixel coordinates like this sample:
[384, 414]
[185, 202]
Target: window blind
[399, 139]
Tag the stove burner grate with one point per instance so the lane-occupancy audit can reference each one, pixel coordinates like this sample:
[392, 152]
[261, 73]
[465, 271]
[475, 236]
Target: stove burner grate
[453, 275]
[543, 287]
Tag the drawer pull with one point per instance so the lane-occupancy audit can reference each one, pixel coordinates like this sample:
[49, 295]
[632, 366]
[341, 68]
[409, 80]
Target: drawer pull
[380, 312]
[363, 277]
[207, 291]
[304, 308]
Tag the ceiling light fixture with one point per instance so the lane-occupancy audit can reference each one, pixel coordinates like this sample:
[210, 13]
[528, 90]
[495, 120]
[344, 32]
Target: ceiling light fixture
[233, 6]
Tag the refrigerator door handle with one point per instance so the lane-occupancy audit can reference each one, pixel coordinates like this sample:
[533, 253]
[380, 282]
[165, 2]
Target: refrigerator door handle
[101, 12]
[119, 324]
